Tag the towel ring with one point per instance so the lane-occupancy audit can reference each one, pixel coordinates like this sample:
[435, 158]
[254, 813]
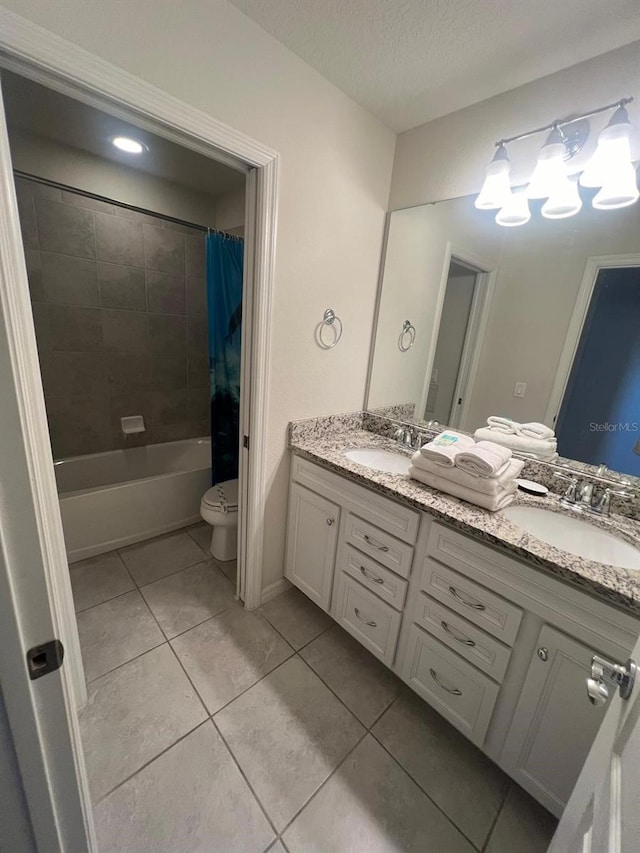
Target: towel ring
[329, 319]
[407, 337]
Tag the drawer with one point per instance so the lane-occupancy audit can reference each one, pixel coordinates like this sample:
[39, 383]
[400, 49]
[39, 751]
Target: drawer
[387, 514]
[474, 602]
[385, 549]
[460, 692]
[369, 619]
[375, 577]
[470, 642]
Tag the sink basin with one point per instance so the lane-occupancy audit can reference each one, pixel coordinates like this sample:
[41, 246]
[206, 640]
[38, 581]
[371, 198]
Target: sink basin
[575, 536]
[380, 460]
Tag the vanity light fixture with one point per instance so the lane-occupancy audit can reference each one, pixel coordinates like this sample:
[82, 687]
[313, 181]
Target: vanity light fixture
[130, 146]
[496, 189]
[610, 170]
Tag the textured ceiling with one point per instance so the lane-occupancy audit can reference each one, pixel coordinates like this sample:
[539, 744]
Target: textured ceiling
[409, 61]
[48, 114]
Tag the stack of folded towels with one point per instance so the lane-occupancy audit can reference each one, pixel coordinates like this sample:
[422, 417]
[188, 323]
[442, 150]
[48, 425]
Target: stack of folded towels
[482, 473]
[533, 439]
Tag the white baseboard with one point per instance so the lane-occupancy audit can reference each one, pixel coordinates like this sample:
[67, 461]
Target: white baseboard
[274, 589]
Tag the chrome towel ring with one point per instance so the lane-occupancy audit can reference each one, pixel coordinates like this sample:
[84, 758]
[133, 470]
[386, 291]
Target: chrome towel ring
[331, 320]
[407, 337]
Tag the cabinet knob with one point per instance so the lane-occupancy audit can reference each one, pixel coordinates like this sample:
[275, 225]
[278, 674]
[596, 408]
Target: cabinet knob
[331, 521]
[543, 653]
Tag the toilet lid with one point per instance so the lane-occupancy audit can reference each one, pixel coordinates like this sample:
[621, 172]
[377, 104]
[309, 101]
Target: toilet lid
[222, 495]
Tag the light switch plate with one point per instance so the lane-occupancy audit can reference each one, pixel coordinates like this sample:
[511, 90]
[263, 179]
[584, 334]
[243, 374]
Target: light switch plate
[520, 389]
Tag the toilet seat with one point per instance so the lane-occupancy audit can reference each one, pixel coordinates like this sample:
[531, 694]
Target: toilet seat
[223, 497]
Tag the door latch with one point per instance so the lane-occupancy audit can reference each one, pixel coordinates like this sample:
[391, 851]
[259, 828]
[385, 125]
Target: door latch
[604, 674]
[41, 660]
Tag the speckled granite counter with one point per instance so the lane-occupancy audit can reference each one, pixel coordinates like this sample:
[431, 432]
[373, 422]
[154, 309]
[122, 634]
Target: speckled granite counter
[326, 440]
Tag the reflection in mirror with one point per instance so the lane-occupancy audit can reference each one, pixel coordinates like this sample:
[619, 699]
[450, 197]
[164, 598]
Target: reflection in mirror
[537, 323]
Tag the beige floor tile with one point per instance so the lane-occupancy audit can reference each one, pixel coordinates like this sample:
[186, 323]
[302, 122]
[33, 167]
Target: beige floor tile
[463, 782]
[228, 568]
[288, 733]
[297, 618]
[372, 806]
[201, 533]
[226, 655]
[192, 799]
[523, 826]
[115, 632]
[134, 713]
[98, 579]
[365, 685]
[149, 561]
[187, 598]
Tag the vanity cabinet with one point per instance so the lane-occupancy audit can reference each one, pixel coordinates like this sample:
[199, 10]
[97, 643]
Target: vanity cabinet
[311, 547]
[554, 724]
[500, 648]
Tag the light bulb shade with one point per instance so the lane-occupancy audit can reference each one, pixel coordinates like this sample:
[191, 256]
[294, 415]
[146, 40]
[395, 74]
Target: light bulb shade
[549, 170]
[613, 149]
[496, 188]
[515, 211]
[620, 188]
[565, 200]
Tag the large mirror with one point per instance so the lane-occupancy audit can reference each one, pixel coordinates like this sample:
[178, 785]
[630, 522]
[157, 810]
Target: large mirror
[536, 323]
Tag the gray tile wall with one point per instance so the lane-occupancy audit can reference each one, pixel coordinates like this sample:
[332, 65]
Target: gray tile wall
[119, 304]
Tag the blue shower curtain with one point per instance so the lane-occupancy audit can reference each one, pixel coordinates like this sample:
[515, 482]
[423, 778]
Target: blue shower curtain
[224, 306]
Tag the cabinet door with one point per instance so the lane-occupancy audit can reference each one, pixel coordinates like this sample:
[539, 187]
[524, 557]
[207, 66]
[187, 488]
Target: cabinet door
[312, 536]
[554, 723]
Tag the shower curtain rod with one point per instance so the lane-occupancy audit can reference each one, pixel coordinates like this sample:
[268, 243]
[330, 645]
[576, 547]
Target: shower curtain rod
[107, 200]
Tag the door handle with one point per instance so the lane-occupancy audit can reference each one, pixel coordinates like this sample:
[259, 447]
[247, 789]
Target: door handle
[606, 673]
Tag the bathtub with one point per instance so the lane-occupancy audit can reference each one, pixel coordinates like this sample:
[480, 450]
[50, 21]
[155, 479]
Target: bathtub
[112, 499]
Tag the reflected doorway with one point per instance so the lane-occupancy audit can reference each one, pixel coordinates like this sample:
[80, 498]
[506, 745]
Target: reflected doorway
[456, 338]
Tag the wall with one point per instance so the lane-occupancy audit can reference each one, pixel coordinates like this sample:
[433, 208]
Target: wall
[335, 171]
[230, 211]
[119, 302]
[16, 835]
[447, 157]
[45, 158]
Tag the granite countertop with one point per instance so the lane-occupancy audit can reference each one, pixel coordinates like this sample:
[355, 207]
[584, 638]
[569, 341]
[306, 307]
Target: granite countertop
[616, 585]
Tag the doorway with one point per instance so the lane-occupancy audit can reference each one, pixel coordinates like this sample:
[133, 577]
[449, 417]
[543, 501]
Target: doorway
[37, 606]
[598, 420]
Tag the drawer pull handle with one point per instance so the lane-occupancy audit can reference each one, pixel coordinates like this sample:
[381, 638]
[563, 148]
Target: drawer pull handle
[370, 577]
[453, 690]
[375, 544]
[464, 640]
[366, 621]
[458, 597]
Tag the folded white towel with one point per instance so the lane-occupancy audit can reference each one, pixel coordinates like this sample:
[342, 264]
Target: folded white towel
[485, 485]
[538, 448]
[535, 430]
[485, 459]
[505, 425]
[491, 502]
[444, 448]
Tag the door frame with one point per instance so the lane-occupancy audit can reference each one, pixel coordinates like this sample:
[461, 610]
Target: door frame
[583, 300]
[478, 318]
[40, 55]
[44, 57]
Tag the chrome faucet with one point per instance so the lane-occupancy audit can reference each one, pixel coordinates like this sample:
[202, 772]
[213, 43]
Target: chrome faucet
[404, 435]
[582, 495]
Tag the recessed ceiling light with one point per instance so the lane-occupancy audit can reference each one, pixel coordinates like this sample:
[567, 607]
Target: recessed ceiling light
[131, 146]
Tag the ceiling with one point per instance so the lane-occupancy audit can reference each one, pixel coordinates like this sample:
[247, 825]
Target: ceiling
[410, 61]
[35, 109]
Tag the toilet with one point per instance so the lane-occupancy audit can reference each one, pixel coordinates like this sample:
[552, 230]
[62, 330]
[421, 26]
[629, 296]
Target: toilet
[219, 508]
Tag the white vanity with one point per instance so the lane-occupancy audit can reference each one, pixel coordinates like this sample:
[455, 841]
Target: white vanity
[499, 647]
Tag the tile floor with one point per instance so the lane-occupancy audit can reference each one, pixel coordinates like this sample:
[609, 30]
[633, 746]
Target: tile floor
[209, 728]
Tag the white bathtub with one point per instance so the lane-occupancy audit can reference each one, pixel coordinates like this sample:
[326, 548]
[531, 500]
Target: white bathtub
[112, 499]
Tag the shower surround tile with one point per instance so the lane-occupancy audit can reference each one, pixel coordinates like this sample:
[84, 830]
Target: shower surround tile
[103, 286]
